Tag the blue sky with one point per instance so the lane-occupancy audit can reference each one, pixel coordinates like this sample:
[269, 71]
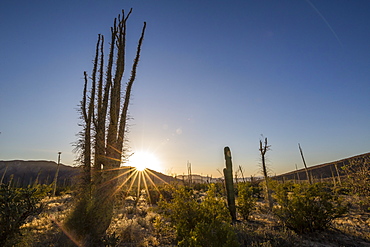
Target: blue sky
[212, 74]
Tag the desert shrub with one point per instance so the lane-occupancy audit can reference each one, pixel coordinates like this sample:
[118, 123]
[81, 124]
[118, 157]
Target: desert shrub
[164, 232]
[41, 190]
[219, 188]
[250, 234]
[155, 193]
[358, 181]
[205, 223]
[131, 232]
[111, 240]
[358, 176]
[257, 189]
[214, 229]
[182, 212]
[246, 201]
[79, 222]
[200, 186]
[16, 205]
[306, 208]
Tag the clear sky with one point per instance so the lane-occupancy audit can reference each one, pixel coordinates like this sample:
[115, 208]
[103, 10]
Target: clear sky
[212, 74]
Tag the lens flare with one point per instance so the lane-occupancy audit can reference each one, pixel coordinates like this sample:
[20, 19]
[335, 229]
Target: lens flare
[142, 160]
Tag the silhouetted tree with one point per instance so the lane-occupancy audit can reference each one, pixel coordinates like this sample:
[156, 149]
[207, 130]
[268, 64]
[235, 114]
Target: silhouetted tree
[309, 178]
[263, 149]
[104, 116]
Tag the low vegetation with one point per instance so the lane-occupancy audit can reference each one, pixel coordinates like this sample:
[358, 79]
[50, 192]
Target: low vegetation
[105, 212]
[247, 198]
[307, 208]
[16, 206]
[178, 215]
[198, 221]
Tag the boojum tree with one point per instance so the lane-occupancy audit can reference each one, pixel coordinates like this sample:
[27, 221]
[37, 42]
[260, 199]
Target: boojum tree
[104, 115]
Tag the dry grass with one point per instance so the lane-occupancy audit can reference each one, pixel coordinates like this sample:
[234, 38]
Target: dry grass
[45, 229]
[134, 223]
[263, 229]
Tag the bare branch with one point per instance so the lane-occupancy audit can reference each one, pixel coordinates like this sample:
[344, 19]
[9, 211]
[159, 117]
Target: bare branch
[123, 119]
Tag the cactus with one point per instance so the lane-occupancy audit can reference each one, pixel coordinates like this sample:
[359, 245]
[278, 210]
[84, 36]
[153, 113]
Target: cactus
[228, 173]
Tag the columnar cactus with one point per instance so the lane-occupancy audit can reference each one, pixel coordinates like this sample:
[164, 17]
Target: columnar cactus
[228, 174]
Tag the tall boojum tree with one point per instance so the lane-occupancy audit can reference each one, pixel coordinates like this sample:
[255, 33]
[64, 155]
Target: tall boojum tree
[104, 116]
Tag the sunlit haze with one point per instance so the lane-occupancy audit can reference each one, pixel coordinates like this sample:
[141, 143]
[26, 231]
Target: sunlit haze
[142, 160]
[212, 74]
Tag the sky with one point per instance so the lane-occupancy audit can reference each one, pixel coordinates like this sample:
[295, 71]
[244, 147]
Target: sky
[212, 74]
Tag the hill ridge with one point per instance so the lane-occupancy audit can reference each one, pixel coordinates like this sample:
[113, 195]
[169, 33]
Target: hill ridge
[25, 172]
[323, 170]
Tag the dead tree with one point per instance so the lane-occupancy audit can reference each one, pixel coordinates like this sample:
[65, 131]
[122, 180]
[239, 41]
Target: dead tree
[339, 179]
[56, 175]
[2, 177]
[305, 166]
[333, 177]
[298, 178]
[263, 149]
[189, 173]
[241, 172]
[104, 116]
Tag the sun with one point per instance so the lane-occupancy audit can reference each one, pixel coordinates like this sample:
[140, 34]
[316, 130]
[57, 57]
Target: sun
[142, 160]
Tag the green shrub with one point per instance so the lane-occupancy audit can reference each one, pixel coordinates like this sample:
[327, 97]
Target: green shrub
[182, 213]
[357, 181]
[111, 240]
[16, 205]
[205, 223]
[246, 200]
[358, 176]
[200, 186]
[306, 208]
[155, 193]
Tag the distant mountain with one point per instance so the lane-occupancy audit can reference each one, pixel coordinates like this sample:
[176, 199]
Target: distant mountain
[322, 171]
[24, 173]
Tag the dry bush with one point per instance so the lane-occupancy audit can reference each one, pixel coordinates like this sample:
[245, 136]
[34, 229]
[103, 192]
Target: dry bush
[205, 223]
[307, 208]
[246, 200]
[358, 181]
[16, 206]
